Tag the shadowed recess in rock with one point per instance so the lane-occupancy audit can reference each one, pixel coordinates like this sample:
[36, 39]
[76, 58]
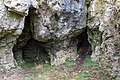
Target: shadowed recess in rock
[27, 49]
[83, 46]
[34, 51]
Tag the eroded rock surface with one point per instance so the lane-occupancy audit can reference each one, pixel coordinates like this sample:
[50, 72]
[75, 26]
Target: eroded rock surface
[57, 23]
[58, 19]
[11, 26]
[54, 22]
[104, 34]
[12, 17]
[20, 7]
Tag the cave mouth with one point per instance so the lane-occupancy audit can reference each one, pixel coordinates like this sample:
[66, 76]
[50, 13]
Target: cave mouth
[32, 52]
[27, 49]
[83, 46]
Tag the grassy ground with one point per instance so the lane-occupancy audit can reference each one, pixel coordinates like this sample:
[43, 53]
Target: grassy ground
[79, 69]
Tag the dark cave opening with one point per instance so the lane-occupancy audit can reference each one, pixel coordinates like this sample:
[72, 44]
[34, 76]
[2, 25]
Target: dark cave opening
[34, 52]
[83, 46]
[27, 49]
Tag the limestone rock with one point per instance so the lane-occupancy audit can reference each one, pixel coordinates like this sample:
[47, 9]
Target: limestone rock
[58, 19]
[62, 50]
[57, 23]
[20, 6]
[104, 34]
[11, 26]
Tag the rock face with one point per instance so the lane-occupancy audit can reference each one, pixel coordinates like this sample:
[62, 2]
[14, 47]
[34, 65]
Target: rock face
[20, 6]
[11, 25]
[104, 34]
[54, 22]
[57, 23]
[58, 19]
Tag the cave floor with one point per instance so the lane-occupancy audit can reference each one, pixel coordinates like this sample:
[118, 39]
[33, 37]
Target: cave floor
[83, 68]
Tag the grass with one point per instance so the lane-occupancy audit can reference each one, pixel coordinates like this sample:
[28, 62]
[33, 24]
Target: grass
[89, 70]
[68, 64]
[30, 78]
[85, 75]
[89, 63]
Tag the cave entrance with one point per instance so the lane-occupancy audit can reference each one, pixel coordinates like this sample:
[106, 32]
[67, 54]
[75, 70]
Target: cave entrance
[83, 46]
[34, 52]
[27, 49]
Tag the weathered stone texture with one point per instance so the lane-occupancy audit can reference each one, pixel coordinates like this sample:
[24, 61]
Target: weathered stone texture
[52, 21]
[12, 14]
[20, 6]
[62, 50]
[104, 34]
[56, 22]
[58, 19]
[11, 26]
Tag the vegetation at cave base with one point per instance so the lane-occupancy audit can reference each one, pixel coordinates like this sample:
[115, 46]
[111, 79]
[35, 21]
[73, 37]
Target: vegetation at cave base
[70, 70]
